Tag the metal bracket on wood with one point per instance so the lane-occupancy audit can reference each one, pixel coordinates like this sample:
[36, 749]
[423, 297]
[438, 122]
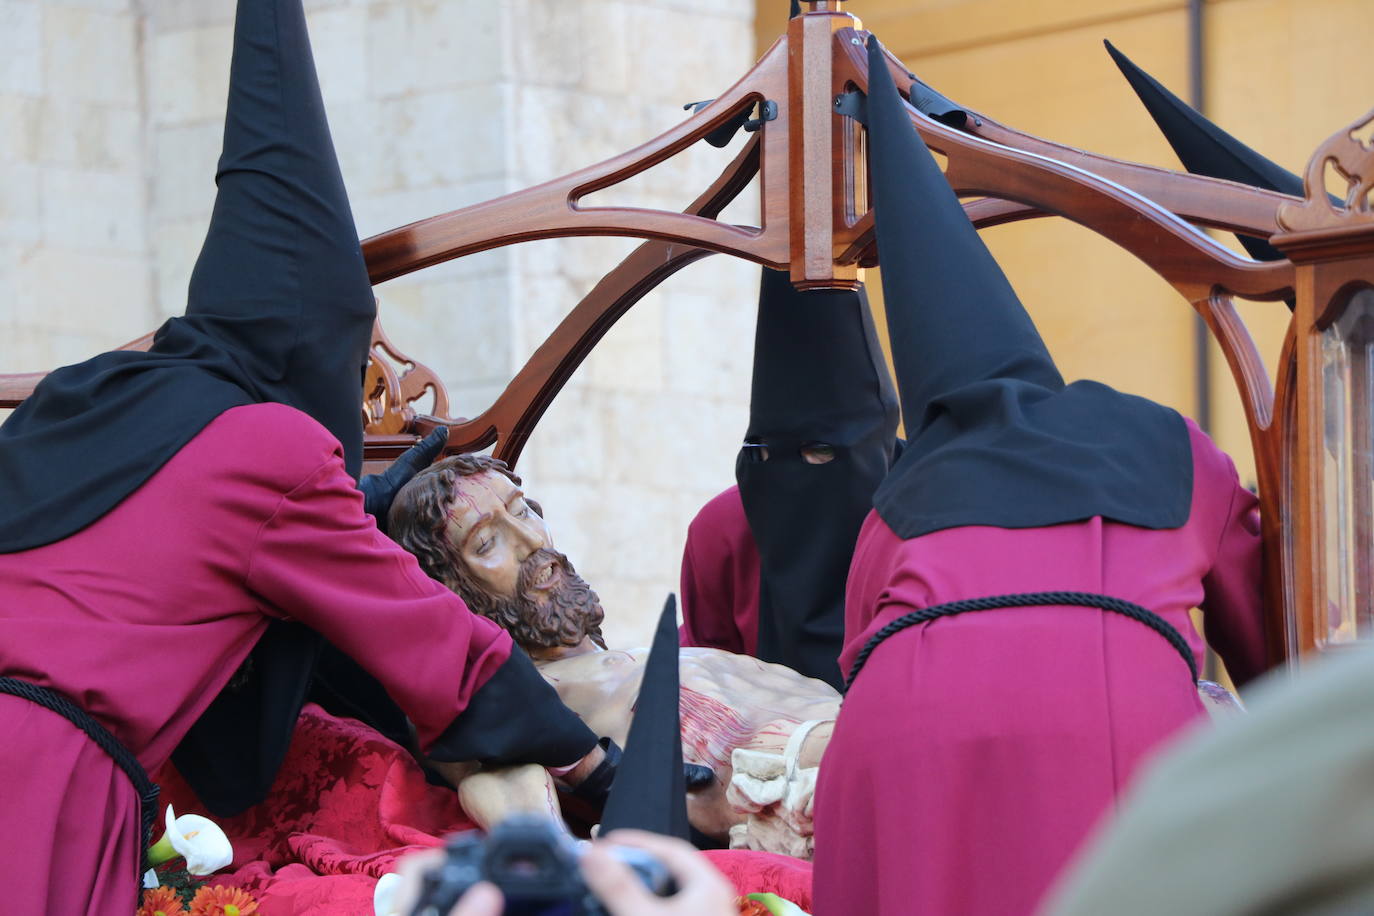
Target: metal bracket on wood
[768, 111]
[853, 104]
[721, 136]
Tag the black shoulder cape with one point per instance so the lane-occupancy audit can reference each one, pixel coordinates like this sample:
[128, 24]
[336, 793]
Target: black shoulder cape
[994, 435]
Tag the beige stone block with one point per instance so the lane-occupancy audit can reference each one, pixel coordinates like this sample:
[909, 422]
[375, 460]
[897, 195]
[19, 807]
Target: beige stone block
[10, 255]
[545, 45]
[96, 211]
[636, 425]
[459, 327]
[188, 74]
[632, 611]
[605, 50]
[680, 55]
[354, 126]
[568, 446]
[453, 136]
[85, 293]
[560, 130]
[20, 205]
[339, 40]
[180, 15]
[630, 356]
[539, 303]
[26, 349]
[108, 6]
[91, 135]
[19, 120]
[628, 537]
[741, 13]
[90, 55]
[69, 348]
[390, 63]
[467, 401]
[421, 46]
[708, 344]
[174, 248]
[21, 47]
[183, 168]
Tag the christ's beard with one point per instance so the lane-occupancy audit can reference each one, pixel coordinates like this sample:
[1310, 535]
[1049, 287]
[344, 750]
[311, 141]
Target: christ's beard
[546, 618]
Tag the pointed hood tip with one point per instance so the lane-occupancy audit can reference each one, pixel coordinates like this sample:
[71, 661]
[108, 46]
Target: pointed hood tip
[650, 792]
[1204, 148]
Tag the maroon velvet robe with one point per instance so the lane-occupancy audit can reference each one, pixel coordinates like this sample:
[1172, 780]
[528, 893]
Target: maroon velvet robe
[720, 579]
[143, 616]
[974, 753]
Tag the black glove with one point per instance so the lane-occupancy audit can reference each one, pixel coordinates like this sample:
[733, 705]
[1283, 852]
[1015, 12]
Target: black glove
[380, 489]
[596, 788]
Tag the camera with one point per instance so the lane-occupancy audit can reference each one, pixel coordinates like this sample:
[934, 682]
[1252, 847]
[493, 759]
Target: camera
[536, 867]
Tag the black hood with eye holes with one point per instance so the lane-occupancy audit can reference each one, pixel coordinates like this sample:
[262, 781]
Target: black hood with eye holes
[279, 309]
[819, 377]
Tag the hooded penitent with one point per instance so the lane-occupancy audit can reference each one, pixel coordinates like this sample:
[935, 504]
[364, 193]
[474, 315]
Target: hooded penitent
[650, 791]
[994, 435]
[819, 378]
[1205, 149]
[279, 309]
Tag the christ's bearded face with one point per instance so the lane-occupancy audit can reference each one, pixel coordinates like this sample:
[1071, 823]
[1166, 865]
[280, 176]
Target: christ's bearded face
[508, 570]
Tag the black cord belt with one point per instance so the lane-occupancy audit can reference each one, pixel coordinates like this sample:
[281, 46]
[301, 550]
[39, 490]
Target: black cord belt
[1028, 599]
[147, 789]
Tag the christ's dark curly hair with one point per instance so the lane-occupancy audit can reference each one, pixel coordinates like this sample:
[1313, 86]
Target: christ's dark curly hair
[419, 520]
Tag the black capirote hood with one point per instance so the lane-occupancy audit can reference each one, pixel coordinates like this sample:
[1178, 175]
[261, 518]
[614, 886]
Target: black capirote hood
[994, 435]
[819, 379]
[1205, 149]
[650, 790]
[279, 309]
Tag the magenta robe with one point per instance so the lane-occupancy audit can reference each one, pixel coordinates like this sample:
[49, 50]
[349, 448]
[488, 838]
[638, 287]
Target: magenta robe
[720, 579]
[143, 616]
[974, 753]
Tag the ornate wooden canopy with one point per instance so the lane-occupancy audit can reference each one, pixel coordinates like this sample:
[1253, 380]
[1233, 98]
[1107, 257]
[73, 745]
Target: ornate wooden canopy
[816, 222]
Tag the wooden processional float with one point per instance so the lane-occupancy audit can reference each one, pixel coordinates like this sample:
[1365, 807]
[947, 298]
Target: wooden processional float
[1312, 432]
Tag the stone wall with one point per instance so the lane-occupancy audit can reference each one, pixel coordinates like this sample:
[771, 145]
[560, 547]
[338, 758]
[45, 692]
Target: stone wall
[110, 117]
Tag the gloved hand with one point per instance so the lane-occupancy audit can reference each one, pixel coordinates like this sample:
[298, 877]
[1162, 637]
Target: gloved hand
[380, 489]
[596, 788]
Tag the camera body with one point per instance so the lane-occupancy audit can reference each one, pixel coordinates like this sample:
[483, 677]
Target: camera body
[534, 864]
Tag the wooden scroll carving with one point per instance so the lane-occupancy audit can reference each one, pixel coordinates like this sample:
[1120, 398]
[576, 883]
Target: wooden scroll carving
[392, 384]
[1350, 154]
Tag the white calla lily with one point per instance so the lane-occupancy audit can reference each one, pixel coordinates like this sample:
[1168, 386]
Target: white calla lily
[196, 839]
[778, 906]
[384, 902]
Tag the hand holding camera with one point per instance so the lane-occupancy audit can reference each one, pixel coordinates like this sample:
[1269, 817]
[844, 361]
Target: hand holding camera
[528, 866]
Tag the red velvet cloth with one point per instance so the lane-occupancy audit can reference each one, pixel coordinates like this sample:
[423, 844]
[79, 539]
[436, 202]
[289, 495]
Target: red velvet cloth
[348, 802]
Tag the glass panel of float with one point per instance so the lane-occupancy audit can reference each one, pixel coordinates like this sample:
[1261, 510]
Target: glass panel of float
[1348, 473]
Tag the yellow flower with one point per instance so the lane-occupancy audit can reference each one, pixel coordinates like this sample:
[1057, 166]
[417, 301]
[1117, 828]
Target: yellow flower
[223, 901]
[161, 901]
